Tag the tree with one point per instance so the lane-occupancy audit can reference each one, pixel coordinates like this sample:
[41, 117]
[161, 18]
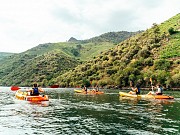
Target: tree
[156, 31]
[162, 76]
[176, 79]
[171, 31]
[75, 52]
[86, 83]
[162, 64]
[79, 47]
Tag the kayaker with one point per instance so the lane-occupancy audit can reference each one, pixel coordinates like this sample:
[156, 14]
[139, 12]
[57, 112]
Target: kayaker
[97, 88]
[135, 90]
[36, 90]
[93, 90]
[158, 92]
[85, 89]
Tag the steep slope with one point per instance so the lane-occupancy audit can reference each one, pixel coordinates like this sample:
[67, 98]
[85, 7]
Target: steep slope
[155, 54]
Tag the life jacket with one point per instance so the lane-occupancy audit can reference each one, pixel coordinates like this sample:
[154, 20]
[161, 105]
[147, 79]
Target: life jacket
[160, 92]
[138, 90]
[35, 91]
[161, 89]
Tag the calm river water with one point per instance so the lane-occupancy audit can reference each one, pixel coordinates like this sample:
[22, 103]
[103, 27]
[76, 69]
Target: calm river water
[77, 114]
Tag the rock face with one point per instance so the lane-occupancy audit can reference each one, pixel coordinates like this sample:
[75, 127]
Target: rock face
[72, 39]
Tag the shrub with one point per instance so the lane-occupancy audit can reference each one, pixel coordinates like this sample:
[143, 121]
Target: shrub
[148, 62]
[144, 53]
[162, 64]
[171, 31]
[176, 79]
[94, 83]
[102, 83]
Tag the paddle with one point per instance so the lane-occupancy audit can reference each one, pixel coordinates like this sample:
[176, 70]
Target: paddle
[151, 85]
[14, 88]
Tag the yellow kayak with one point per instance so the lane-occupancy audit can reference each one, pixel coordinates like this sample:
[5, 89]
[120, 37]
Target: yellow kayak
[124, 94]
[24, 96]
[88, 92]
[78, 91]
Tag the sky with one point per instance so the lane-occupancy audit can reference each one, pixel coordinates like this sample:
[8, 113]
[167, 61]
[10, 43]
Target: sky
[25, 24]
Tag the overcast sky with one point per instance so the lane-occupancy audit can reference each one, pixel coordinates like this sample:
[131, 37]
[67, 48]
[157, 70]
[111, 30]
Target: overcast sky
[26, 23]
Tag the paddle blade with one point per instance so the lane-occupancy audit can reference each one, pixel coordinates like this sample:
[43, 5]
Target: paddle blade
[150, 79]
[14, 88]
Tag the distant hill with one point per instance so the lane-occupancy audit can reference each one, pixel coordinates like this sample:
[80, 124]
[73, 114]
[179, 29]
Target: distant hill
[4, 55]
[114, 37]
[154, 53]
[45, 62]
[94, 46]
[72, 39]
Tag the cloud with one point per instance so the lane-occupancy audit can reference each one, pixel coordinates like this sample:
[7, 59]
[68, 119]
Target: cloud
[25, 24]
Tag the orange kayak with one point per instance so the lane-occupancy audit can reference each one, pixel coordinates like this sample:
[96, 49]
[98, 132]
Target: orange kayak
[24, 96]
[163, 97]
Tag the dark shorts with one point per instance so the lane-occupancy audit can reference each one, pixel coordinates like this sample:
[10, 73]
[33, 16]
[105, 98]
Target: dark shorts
[158, 93]
[36, 94]
[137, 93]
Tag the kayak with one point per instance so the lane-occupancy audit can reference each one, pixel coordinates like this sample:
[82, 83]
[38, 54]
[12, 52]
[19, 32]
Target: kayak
[24, 96]
[146, 96]
[124, 94]
[78, 91]
[54, 86]
[88, 92]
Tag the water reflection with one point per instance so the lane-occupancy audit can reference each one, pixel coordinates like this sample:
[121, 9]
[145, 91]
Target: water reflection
[155, 113]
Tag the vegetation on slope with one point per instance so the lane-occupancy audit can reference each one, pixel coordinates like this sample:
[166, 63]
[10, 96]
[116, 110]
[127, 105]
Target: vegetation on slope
[4, 55]
[151, 54]
[48, 61]
[113, 37]
[42, 68]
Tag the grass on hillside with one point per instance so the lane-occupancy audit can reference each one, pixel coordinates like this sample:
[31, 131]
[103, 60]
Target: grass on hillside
[94, 49]
[172, 49]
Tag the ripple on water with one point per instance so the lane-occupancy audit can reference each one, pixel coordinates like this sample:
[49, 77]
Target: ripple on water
[68, 113]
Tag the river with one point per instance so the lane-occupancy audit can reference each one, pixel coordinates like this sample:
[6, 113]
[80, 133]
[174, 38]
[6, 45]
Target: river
[77, 114]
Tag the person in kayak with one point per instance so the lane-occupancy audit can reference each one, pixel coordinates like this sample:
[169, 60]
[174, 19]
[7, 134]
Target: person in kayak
[135, 90]
[36, 90]
[85, 89]
[97, 88]
[158, 92]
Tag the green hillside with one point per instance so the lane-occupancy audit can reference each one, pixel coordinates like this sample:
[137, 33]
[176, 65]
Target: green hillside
[47, 61]
[4, 55]
[23, 69]
[155, 54]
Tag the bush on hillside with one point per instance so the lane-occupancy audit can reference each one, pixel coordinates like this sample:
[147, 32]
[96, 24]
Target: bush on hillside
[176, 79]
[171, 31]
[162, 64]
